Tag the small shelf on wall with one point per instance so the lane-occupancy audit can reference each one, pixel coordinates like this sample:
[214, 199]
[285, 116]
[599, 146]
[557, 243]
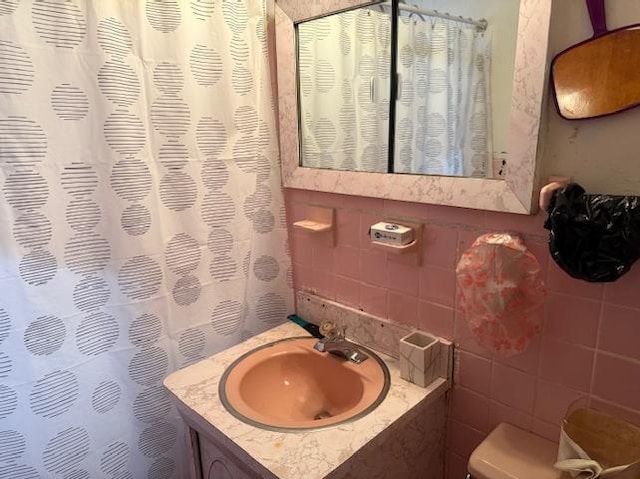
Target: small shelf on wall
[397, 249]
[313, 226]
[319, 223]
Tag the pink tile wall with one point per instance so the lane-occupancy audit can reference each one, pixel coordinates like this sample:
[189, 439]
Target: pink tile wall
[590, 343]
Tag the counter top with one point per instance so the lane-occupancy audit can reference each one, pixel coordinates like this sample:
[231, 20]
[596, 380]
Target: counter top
[291, 455]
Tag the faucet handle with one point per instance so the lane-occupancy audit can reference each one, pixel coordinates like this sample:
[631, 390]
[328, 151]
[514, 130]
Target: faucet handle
[328, 329]
[331, 331]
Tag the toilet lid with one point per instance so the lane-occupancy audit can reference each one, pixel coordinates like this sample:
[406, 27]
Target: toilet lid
[511, 453]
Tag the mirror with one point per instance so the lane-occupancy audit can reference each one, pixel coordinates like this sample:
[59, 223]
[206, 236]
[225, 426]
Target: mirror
[341, 150]
[600, 76]
[455, 73]
[344, 66]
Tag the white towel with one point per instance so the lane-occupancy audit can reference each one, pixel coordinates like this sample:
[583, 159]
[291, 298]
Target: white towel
[574, 460]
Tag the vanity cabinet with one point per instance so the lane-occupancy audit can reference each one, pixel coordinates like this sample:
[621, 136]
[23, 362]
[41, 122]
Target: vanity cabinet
[411, 448]
[216, 463]
[209, 459]
[403, 438]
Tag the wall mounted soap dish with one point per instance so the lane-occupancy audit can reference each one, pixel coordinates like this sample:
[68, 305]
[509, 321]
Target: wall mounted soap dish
[413, 248]
[396, 249]
[319, 223]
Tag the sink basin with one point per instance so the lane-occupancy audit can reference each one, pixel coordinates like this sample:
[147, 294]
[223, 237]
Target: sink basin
[287, 385]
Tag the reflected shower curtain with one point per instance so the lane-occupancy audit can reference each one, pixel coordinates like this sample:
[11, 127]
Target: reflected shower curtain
[143, 222]
[443, 113]
[344, 90]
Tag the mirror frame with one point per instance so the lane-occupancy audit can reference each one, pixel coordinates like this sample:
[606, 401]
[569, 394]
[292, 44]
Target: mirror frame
[517, 193]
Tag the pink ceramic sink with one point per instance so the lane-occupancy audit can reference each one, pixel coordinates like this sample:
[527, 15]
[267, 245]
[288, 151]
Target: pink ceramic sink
[287, 385]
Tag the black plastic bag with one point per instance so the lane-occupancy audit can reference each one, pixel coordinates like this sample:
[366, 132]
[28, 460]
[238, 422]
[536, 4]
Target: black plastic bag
[593, 237]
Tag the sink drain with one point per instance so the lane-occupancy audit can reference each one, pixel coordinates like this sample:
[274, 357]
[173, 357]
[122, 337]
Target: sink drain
[322, 415]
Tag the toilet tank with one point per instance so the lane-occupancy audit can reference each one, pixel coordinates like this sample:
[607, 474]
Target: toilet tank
[511, 453]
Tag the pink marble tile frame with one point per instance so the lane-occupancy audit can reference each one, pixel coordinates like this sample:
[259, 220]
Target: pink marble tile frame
[517, 193]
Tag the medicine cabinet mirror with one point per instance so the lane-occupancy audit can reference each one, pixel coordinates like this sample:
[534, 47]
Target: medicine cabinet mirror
[437, 101]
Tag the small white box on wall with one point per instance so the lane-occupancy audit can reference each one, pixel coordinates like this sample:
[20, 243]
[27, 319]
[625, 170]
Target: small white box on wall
[391, 233]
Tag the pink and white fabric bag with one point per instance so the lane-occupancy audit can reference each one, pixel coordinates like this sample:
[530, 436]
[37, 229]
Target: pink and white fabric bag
[500, 287]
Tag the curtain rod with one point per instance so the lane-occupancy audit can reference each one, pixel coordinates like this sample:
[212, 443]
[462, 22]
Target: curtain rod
[481, 25]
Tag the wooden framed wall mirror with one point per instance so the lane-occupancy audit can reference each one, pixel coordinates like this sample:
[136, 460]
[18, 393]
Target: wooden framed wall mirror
[406, 102]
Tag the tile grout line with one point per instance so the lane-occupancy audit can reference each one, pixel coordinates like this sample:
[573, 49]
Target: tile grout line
[597, 346]
[619, 356]
[539, 368]
[616, 405]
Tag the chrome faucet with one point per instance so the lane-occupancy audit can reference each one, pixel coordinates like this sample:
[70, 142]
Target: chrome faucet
[335, 342]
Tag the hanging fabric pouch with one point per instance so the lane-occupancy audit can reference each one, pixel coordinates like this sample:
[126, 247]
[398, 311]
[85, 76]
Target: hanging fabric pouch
[499, 288]
[593, 237]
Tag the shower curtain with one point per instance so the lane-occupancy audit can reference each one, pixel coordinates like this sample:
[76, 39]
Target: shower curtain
[344, 63]
[143, 222]
[443, 113]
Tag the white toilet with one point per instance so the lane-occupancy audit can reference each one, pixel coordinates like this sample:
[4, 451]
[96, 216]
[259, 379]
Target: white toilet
[511, 453]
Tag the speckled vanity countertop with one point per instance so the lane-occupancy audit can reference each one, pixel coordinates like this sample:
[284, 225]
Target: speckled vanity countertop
[291, 455]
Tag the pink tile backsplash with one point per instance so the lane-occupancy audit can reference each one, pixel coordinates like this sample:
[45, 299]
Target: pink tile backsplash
[527, 362]
[300, 249]
[347, 261]
[465, 340]
[440, 246]
[566, 363]
[512, 222]
[373, 268]
[470, 408]
[347, 291]
[624, 292]
[572, 319]
[374, 300]
[617, 380]
[403, 308]
[473, 372]
[513, 388]
[462, 438]
[304, 277]
[619, 331]
[403, 278]
[561, 282]
[499, 412]
[546, 430]
[438, 285]
[395, 209]
[552, 401]
[456, 466]
[588, 347]
[324, 283]
[436, 319]
[348, 229]
[323, 257]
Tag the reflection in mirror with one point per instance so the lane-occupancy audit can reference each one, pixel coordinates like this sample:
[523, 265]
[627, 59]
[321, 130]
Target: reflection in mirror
[455, 83]
[344, 83]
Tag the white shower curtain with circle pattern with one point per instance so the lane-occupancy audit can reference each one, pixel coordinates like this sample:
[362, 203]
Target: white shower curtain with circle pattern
[443, 113]
[143, 222]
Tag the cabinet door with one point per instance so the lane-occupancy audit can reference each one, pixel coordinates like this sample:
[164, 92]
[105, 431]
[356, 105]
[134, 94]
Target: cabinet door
[217, 463]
